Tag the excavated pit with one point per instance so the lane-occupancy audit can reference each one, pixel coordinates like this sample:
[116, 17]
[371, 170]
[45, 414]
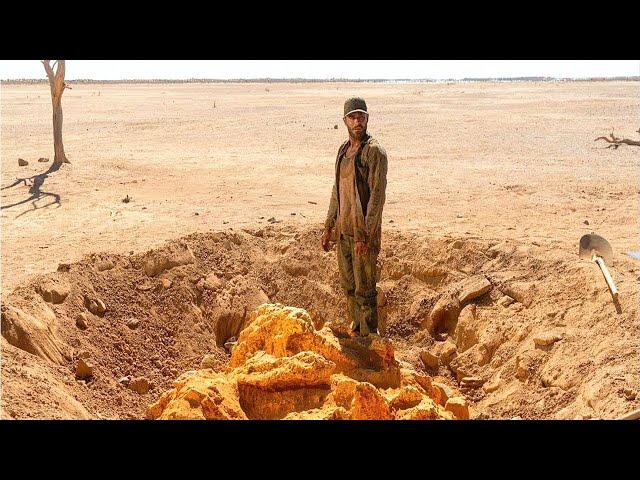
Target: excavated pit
[526, 331]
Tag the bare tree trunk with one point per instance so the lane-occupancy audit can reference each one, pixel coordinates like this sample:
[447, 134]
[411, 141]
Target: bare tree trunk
[58, 146]
[56, 82]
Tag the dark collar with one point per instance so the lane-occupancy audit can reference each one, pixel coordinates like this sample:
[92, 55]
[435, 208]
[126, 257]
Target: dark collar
[366, 139]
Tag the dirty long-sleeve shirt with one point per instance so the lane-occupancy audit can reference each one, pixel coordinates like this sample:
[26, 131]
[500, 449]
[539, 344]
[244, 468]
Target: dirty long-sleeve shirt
[370, 188]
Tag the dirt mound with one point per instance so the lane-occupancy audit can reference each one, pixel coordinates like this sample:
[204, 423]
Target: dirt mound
[282, 367]
[521, 329]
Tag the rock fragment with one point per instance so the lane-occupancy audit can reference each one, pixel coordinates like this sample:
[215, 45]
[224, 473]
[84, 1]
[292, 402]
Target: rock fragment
[84, 369]
[81, 321]
[459, 407]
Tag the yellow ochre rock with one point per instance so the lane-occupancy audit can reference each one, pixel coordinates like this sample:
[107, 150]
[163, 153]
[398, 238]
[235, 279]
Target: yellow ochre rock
[282, 368]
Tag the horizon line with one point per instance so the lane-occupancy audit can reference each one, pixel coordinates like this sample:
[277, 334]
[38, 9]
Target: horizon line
[326, 80]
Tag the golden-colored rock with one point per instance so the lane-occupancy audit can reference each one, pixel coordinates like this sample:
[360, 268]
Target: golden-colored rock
[342, 391]
[458, 406]
[445, 393]
[404, 398]
[369, 404]
[427, 409]
[429, 359]
[285, 331]
[270, 329]
[282, 368]
[200, 394]
[328, 413]
[304, 369]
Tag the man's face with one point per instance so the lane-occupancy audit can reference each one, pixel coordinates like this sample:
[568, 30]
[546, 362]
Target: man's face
[356, 123]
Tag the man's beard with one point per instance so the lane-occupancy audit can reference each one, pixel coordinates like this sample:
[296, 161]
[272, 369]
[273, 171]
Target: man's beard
[358, 135]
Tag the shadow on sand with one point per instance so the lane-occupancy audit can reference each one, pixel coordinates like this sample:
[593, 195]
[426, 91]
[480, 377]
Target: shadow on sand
[37, 194]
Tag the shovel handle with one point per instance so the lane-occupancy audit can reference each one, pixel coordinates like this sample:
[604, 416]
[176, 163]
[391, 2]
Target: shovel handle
[607, 277]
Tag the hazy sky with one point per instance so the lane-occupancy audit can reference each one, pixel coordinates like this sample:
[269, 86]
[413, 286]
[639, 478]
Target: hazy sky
[323, 69]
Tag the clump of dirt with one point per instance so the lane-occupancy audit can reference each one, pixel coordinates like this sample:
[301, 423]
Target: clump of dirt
[521, 330]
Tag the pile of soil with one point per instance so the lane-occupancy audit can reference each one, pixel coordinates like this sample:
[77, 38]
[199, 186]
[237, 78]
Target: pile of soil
[105, 337]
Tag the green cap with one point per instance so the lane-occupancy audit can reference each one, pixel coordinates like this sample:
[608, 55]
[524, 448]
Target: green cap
[355, 104]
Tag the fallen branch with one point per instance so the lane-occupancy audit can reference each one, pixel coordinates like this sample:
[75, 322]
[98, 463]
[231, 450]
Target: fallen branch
[615, 142]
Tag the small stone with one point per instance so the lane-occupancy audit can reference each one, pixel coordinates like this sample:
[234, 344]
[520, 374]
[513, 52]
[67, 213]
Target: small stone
[54, 291]
[505, 301]
[429, 359]
[133, 323]
[101, 308]
[126, 199]
[93, 307]
[491, 386]
[471, 382]
[124, 380]
[43, 159]
[474, 287]
[457, 244]
[22, 162]
[586, 222]
[84, 369]
[629, 394]
[546, 338]
[458, 406]
[166, 283]
[443, 315]
[446, 392]
[139, 385]
[335, 127]
[81, 321]
[446, 352]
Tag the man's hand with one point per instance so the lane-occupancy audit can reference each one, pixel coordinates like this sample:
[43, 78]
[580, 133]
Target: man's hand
[362, 248]
[326, 239]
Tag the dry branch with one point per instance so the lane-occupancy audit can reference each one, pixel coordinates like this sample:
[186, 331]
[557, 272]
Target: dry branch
[615, 142]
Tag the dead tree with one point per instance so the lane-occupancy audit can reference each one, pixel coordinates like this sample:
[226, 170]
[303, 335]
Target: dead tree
[615, 142]
[56, 82]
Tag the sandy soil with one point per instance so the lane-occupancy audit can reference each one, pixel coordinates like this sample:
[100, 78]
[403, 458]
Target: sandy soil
[507, 164]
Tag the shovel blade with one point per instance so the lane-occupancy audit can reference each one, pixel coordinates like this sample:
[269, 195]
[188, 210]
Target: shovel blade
[592, 243]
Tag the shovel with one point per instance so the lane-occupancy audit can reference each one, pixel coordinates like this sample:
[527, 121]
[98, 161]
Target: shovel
[595, 248]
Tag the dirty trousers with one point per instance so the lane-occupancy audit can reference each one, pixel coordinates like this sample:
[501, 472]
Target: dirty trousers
[358, 281]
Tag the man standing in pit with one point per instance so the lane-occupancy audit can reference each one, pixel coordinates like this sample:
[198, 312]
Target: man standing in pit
[354, 219]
